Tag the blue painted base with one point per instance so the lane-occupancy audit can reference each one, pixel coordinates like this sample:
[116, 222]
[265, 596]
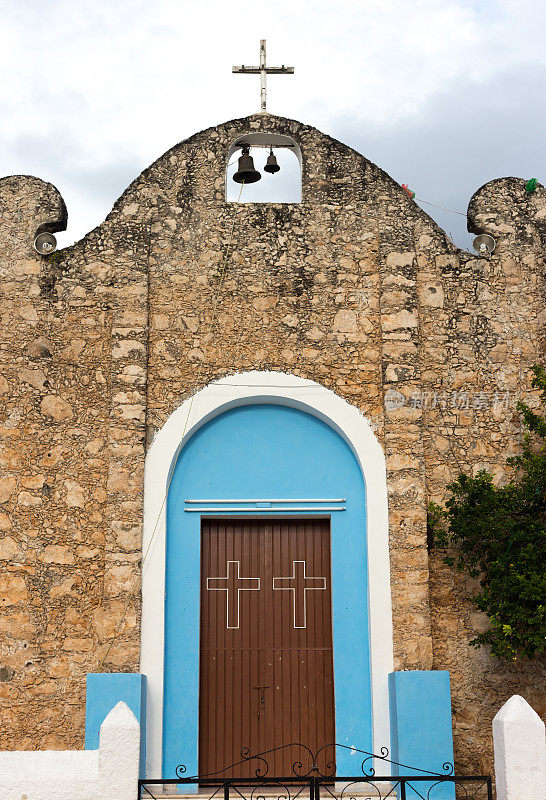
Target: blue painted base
[104, 691]
[421, 732]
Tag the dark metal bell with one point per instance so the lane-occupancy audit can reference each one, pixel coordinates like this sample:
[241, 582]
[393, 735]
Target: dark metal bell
[271, 164]
[246, 172]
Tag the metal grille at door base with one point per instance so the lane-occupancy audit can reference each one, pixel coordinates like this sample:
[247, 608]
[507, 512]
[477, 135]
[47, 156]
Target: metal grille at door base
[314, 775]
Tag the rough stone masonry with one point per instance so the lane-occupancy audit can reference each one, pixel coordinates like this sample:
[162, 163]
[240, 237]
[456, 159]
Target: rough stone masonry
[355, 287]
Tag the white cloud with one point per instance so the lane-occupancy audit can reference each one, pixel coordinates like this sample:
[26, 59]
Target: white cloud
[94, 90]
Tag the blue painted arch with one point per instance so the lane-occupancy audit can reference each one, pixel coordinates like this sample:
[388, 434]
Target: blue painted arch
[260, 451]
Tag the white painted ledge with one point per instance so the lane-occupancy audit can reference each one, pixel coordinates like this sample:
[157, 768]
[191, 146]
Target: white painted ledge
[520, 752]
[110, 771]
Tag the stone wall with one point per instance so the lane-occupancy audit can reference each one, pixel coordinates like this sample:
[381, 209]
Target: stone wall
[355, 288]
[495, 324]
[73, 336]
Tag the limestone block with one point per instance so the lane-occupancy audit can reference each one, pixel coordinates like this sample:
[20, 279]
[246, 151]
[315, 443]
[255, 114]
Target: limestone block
[64, 588]
[28, 500]
[55, 407]
[34, 377]
[40, 348]
[520, 751]
[119, 579]
[400, 259]
[33, 481]
[113, 619]
[7, 487]
[402, 319]
[29, 314]
[479, 621]
[57, 554]
[128, 535]
[17, 625]
[118, 480]
[315, 334]
[79, 644]
[432, 294]
[74, 349]
[75, 497]
[94, 446]
[8, 548]
[5, 522]
[397, 461]
[345, 321]
[13, 590]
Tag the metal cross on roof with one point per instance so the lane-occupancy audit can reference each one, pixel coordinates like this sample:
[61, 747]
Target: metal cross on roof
[263, 70]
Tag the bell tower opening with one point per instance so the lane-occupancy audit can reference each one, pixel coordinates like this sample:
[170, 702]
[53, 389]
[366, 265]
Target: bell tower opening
[264, 168]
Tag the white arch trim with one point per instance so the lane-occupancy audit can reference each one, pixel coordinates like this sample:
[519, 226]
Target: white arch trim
[243, 389]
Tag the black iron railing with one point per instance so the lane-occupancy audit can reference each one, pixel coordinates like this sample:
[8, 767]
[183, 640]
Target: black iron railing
[309, 780]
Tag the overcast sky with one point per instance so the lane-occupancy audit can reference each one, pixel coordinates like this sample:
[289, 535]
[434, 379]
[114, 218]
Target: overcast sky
[442, 94]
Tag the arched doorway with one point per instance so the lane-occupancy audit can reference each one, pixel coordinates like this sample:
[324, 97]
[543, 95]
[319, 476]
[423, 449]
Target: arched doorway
[251, 656]
[245, 389]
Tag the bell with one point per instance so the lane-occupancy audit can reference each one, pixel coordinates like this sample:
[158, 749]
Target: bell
[271, 164]
[246, 172]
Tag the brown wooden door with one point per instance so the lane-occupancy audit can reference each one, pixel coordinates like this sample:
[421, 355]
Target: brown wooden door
[266, 663]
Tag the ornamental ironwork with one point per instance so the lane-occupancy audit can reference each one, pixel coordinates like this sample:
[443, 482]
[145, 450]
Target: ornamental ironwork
[308, 780]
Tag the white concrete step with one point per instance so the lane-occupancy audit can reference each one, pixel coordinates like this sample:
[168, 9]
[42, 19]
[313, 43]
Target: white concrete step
[267, 793]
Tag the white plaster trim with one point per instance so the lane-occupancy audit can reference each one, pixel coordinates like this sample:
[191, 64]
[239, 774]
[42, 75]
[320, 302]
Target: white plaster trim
[520, 751]
[244, 389]
[109, 772]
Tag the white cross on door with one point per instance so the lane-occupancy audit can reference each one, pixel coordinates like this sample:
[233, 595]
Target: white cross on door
[232, 584]
[299, 583]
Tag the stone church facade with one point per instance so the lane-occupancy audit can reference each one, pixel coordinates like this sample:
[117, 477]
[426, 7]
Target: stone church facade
[352, 307]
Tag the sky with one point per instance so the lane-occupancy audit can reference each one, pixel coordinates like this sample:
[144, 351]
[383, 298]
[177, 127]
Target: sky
[442, 94]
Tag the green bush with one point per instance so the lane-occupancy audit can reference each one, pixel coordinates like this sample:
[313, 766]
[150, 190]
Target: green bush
[498, 534]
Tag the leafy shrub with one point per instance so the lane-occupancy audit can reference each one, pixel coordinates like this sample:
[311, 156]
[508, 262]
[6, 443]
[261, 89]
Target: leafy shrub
[498, 533]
